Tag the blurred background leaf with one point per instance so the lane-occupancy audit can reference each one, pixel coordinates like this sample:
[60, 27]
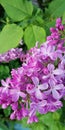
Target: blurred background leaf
[56, 8]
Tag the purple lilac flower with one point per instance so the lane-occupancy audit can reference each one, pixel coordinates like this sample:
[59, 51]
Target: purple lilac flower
[39, 84]
[12, 54]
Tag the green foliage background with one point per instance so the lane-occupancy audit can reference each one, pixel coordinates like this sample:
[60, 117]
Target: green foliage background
[20, 19]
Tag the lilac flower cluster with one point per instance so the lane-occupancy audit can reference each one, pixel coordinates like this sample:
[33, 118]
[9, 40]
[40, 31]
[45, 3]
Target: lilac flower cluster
[39, 85]
[12, 54]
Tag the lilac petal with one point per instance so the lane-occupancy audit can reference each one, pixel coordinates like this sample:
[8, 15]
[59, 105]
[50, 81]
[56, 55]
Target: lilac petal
[4, 83]
[4, 106]
[58, 104]
[50, 67]
[43, 86]
[30, 88]
[32, 112]
[15, 94]
[38, 94]
[59, 86]
[41, 106]
[15, 97]
[8, 80]
[58, 72]
[58, 53]
[12, 116]
[22, 94]
[35, 81]
[46, 76]
[32, 119]
[52, 82]
[49, 48]
[42, 103]
[14, 106]
[43, 49]
[24, 112]
[55, 94]
[47, 92]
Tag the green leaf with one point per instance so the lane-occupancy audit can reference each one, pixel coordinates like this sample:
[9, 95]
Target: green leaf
[7, 111]
[39, 20]
[24, 122]
[4, 72]
[54, 126]
[10, 36]
[63, 18]
[57, 8]
[1, 129]
[2, 126]
[33, 126]
[17, 10]
[33, 34]
[56, 116]
[38, 126]
[48, 25]
[47, 119]
[24, 23]
[14, 64]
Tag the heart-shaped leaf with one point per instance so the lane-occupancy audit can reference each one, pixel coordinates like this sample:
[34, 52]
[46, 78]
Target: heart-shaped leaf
[33, 34]
[10, 36]
[17, 10]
